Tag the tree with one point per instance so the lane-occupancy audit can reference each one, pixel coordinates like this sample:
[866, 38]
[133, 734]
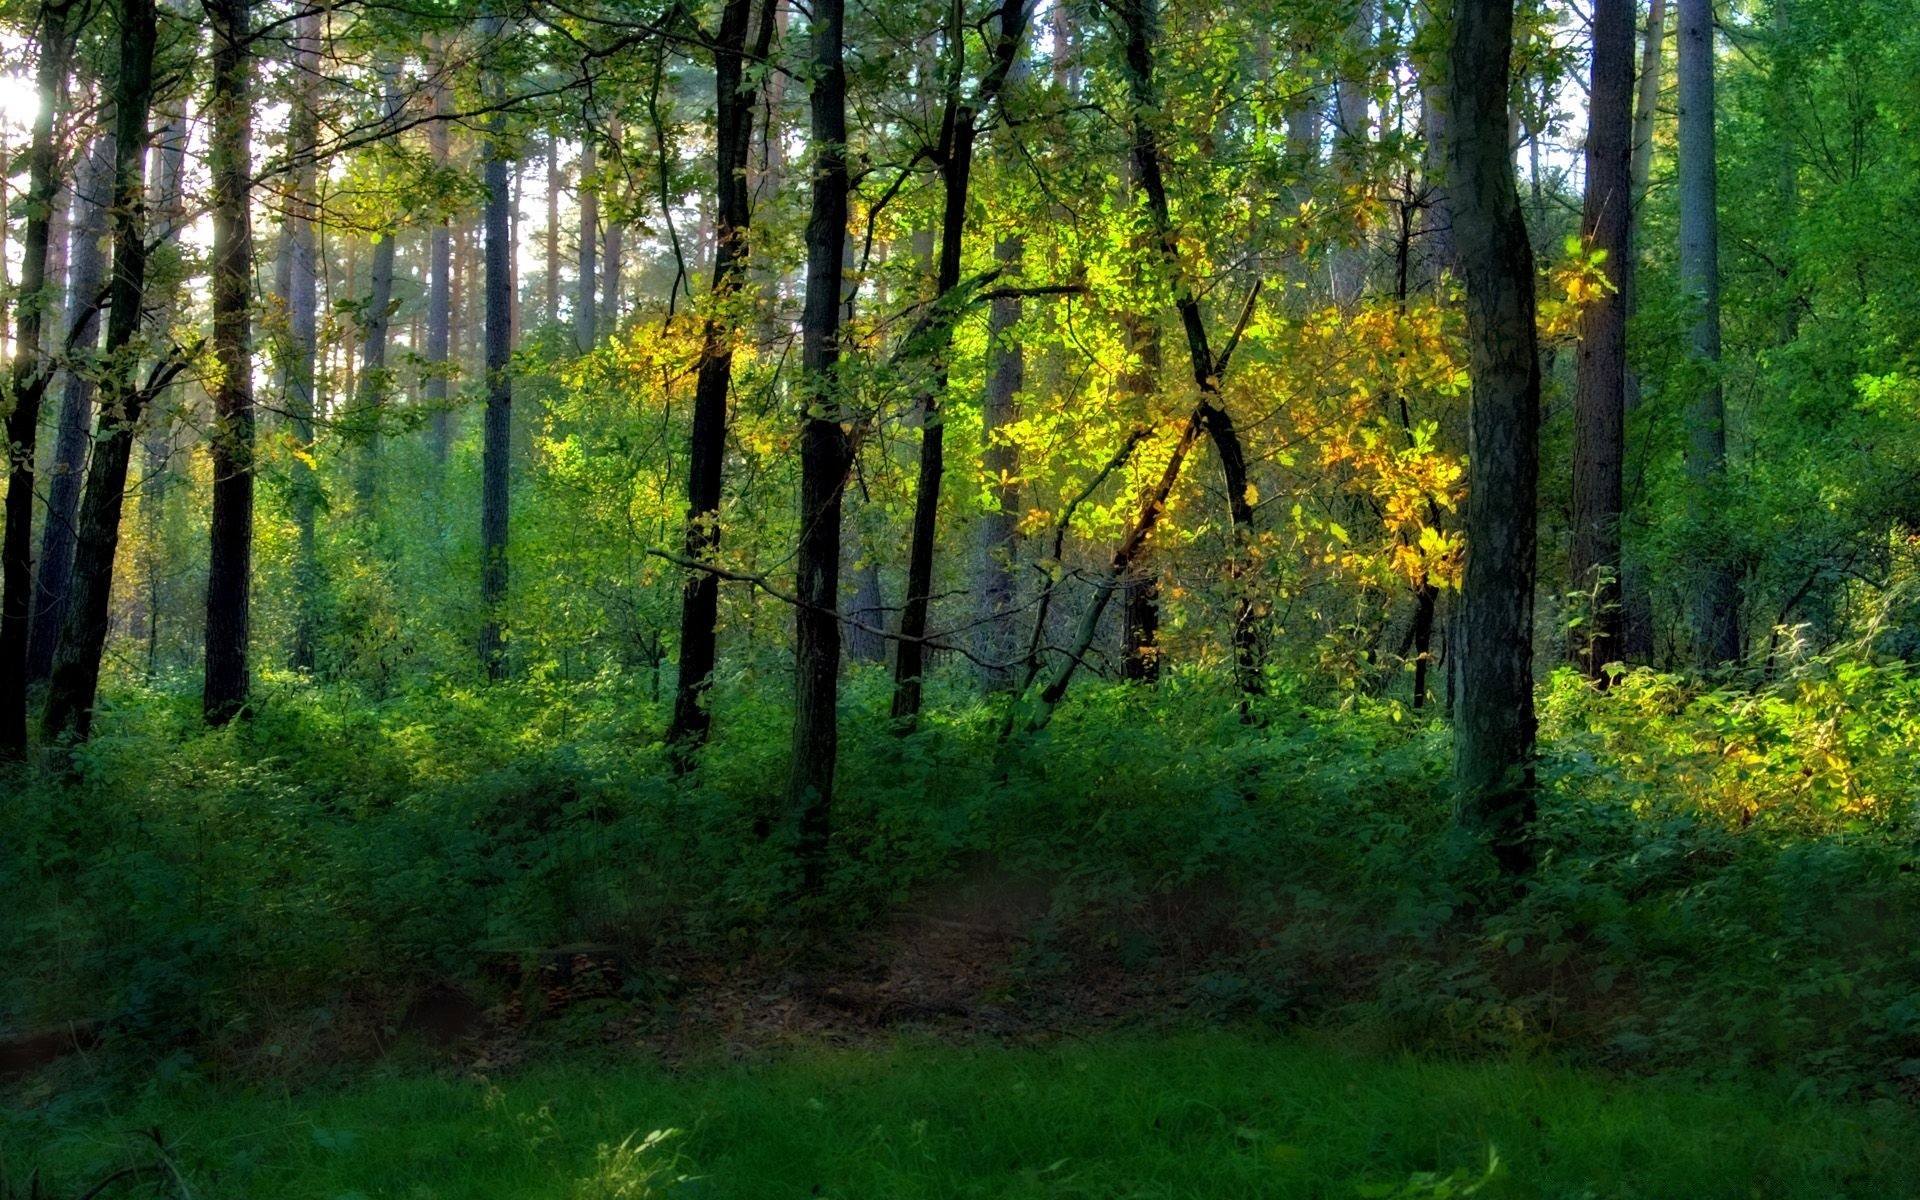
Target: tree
[1715, 599]
[230, 557]
[826, 455]
[1493, 715]
[954, 155]
[31, 375]
[584, 326]
[1600, 397]
[297, 373]
[497, 438]
[707, 442]
[76, 667]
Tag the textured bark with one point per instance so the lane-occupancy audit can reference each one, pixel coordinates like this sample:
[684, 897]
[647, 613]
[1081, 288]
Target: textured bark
[1493, 713]
[1600, 388]
[706, 445]
[826, 455]
[584, 299]
[31, 376]
[497, 435]
[297, 375]
[87, 272]
[553, 225]
[1715, 598]
[230, 528]
[76, 667]
[1636, 599]
[999, 548]
[440, 286]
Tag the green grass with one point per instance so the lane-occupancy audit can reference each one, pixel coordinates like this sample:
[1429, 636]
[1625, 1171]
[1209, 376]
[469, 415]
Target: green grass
[1216, 1115]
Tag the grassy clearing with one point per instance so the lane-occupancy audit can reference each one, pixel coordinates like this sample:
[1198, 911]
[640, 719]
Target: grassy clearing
[1214, 1115]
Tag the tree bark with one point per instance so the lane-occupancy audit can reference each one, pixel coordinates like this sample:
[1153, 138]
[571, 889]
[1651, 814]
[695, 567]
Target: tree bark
[87, 271]
[298, 373]
[584, 326]
[1715, 601]
[1600, 389]
[76, 668]
[999, 550]
[376, 382]
[706, 445]
[440, 280]
[32, 374]
[497, 435]
[1636, 599]
[826, 455]
[230, 545]
[1493, 714]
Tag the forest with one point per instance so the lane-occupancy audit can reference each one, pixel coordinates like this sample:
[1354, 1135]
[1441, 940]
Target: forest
[938, 598]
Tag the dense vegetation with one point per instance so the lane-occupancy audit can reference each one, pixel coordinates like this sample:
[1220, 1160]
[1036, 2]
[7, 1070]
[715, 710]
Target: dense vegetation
[719, 527]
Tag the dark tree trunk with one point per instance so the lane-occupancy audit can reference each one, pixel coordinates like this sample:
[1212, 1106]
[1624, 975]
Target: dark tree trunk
[31, 376]
[1140, 618]
[1140, 18]
[76, 667]
[440, 286]
[706, 447]
[955, 156]
[87, 267]
[1715, 600]
[497, 438]
[826, 455]
[1600, 393]
[230, 546]
[1493, 714]
[1636, 598]
[553, 222]
[298, 372]
[584, 325]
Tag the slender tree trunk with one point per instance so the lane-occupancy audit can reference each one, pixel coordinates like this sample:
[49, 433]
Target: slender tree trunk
[87, 266]
[584, 324]
[1140, 616]
[1141, 18]
[31, 376]
[440, 283]
[499, 425]
[1493, 714]
[1636, 599]
[1600, 391]
[1783, 70]
[553, 228]
[230, 546]
[957, 135]
[376, 382]
[999, 551]
[706, 447]
[826, 455]
[1352, 96]
[298, 374]
[1715, 599]
[76, 668]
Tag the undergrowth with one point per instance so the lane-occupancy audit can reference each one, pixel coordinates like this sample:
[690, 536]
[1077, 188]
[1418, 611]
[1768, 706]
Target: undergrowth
[1727, 884]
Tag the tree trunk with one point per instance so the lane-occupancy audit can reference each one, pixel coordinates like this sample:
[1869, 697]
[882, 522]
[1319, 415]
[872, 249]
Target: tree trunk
[230, 546]
[1715, 599]
[299, 371]
[999, 551]
[498, 432]
[1352, 96]
[706, 446]
[1600, 391]
[31, 376]
[1636, 599]
[1141, 18]
[826, 455]
[440, 283]
[376, 382]
[76, 667]
[87, 268]
[1493, 714]
[584, 325]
